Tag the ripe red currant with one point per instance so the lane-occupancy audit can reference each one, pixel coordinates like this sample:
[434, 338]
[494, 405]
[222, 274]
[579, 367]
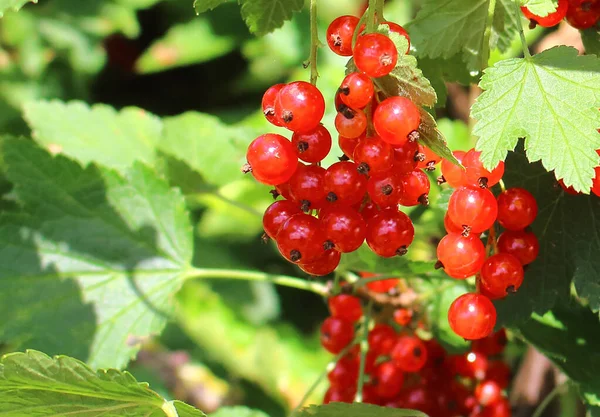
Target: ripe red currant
[385, 189]
[339, 395]
[322, 265]
[345, 307]
[301, 238]
[344, 227]
[306, 187]
[450, 226]
[415, 188]
[348, 145]
[551, 19]
[373, 156]
[492, 345]
[501, 274]
[461, 256]
[500, 408]
[475, 209]
[387, 380]
[409, 353]
[268, 104]
[340, 33]
[344, 184]
[272, 159]
[356, 90]
[454, 175]
[522, 244]
[312, 146]
[403, 316]
[517, 209]
[277, 214]
[488, 393]
[351, 123]
[395, 119]
[427, 159]
[300, 105]
[375, 54]
[596, 182]
[405, 157]
[336, 334]
[477, 175]
[472, 316]
[344, 373]
[396, 28]
[389, 233]
[382, 339]
[379, 286]
[499, 372]
[583, 14]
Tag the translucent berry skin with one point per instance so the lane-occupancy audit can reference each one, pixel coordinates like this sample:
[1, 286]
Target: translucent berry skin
[339, 35]
[300, 105]
[415, 188]
[472, 316]
[312, 146]
[336, 334]
[430, 158]
[488, 393]
[461, 256]
[396, 28]
[345, 373]
[501, 408]
[356, 90]
[583, 14]
[450, 226]
[522, 244]
[373, 156]
[492, 345]
[348, 145]
[454, 175]
[351, 127]
[387, 380]
[345, 307]
[501, 274]
[474, 208]
[322, 265]
[277, 214]
[404, 157]
[272, 158]
[385, 189]
[517, 209]
[403, 316]
[469, 365]
[382, 339]
[344, 184]
[499, 372]
[390, 233]
[395, 118]
[477, 175]
[268, 104]
[343, 226]
[301, 238]
[306, 186]
[375, 54]
[409, 353]
[550, 20]
[338, 395]
[369, 210]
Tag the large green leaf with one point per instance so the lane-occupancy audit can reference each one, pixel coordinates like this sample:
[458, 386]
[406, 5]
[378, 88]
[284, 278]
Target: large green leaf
[552, 100]
[355, 410]
[263, 16]
[591, 41]
[202, 6]
[102, 252]
[6, 5]
[237, 412]
[35, 385]
[540, 7]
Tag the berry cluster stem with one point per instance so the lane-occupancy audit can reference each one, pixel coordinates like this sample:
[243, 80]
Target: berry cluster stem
[492, 242]
[364, 348]
[314, 42]
[521, 32]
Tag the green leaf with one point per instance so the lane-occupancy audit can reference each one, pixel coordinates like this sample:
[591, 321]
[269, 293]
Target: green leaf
[96, 134]
[570, 337]
[552, 100]
[430, 136]
[15, 5]
[36, 385]
[264, 16]
[237, 412]
[504, 26]
[356, 410]
[364, 259]
[182, 46]
[540, 7]
[103, 252]
[437, 313]
[202, 6]
[569, 244]
[591, 41]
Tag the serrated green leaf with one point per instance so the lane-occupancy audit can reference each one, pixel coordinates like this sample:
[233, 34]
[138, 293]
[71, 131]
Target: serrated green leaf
[6, 5]
[430, 136]
[540, 7]
[505, 25]
[569, 243]
[356, 410]
[264, 16]
[237, 412]
[202, 6]
[35, 385]
[104, 252]
[552, 100]
[591, 41]
[97, 134]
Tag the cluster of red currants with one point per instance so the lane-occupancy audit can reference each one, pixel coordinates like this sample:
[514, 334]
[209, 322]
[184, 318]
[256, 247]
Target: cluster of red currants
[581, 14]
[327, 212]
[472, 210]
[403, 371]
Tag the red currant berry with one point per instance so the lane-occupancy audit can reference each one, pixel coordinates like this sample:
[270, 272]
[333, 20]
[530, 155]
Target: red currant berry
[427, 159]
[454, 175]
[471, 365]
[387, 380]
[268, 104]
[500, 408]
[300, 105]
[345, 307]
[345, 373]
[348, 145]
[277, 214]
[337, 395]
[409, 354]
[417, 398]
[382, 339]
[492, 345]
[375, 54]
[340, 33]
[477, 175]
[271, 159]
[356, 90]
[395, 119]
[450, 226]
[381, 286]
[373, 156]
[344, 227]
[405, 157]
[403, 316]
[390, 233]
[475, 209]
[396, 28]
[301, 238]
[312, 146]
[522, 244]
[472, 316]
[283, 190]
[501, 274]
[344, 184]
[415, 188]
[499, 372]
[583, 14]
[596, 182]
[351, 123]
[336, 334]
[488, 393]
[517, 209]
[385, 189]
[551, 19]
[306, 187]
[322, 265]
[461, 256]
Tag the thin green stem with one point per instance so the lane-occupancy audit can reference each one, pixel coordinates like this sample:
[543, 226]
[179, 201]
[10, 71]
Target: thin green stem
[371, 23]
[521, 32]
[546, 402]
[379, 10]
[360, 23]
[283, 280]
[485, 48]
[314, 42]
[364, 347]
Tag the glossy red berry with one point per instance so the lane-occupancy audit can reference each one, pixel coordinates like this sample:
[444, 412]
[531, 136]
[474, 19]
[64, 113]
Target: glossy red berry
[454, 175]
[345, 307]
[345, 373]
[461, 256]
[301, 239]
[356, 90]
[382, 339]
[272, 159]
[477, 175]
[474, 208]
[500, 408]
[488, 393]
[499, 372]
[415, 188]
[472, 316]
[403, 316]
[551, 19]
[268, 104]
[375, 54]
[307, 187]
[501, 274]
[336, 334]
[583, 14]
[452, 227]
[373, 156]
[405, 157]
[390, 233]
[379, 286]
[322, 265]
[385, 189]
[409, 353]
[395, 119]
[492, 345]
[344, 184]
[348, 145]
[387, 380]
[471, 365]
[312, 146]
[596, 182]
[300, 105]
[277, 214]
[522, 244]
[344, 227]
[351, 123]
[396, 28]
[517, 208]
[427, 159]
[340, 33]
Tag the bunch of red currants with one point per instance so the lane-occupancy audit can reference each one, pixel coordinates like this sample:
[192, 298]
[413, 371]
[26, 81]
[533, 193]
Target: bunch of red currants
[581, 14]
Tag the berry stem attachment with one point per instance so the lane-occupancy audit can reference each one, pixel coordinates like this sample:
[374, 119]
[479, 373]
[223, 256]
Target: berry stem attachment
[371, 19]
[521, 33]
[491, 246]
[485, 48]
[358, 27]
[502, 186]
[364, 347]
[314, 42]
